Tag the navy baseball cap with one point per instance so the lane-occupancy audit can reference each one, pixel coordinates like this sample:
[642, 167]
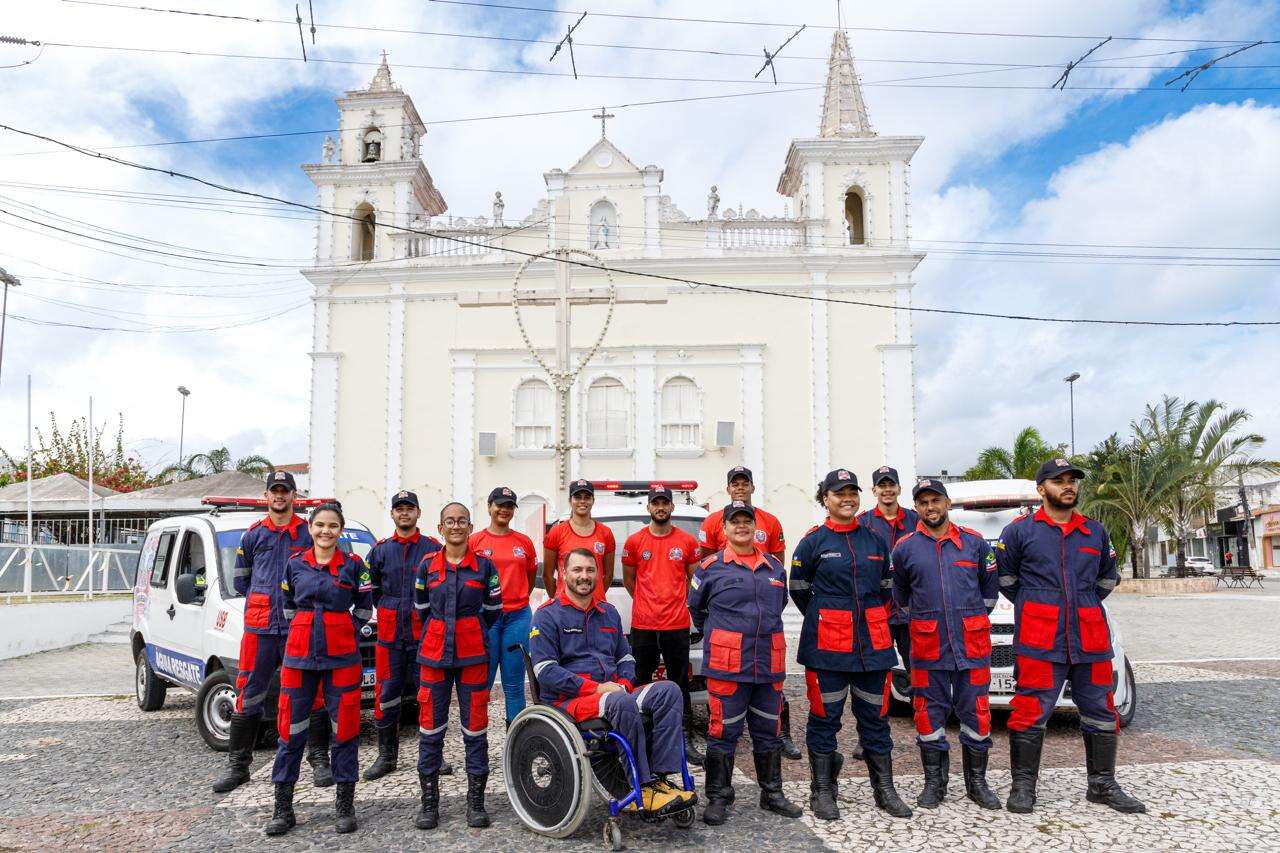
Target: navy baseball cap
[839, 479]
[660, 491]
[928, 484]
[404, 497]
[581, 486]
[281, 478]
[884, 472]
[739, 471]
[502, 495]
[738, 508]
[1053, 467]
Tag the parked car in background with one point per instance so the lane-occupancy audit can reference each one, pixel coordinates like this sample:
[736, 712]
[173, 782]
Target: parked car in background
[1201, 566]
[987, 506]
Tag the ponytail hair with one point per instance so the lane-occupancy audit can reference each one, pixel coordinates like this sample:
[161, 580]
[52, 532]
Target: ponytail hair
[329, 506]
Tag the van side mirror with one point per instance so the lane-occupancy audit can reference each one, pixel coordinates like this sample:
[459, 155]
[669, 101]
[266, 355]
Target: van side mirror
[185, 587]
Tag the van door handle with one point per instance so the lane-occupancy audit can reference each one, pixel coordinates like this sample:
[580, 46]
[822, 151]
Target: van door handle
[171, 611]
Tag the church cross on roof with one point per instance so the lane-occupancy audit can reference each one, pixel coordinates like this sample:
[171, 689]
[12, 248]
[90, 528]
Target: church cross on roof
[844, 112]
[382, 78]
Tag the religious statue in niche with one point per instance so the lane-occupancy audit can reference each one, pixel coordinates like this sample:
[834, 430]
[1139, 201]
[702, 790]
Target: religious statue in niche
[327, 149]
[713, 202]
[603, 226]
[498, 207]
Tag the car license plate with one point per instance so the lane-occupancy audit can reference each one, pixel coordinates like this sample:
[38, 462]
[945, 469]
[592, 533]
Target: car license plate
[1002, 683]
[368, 679]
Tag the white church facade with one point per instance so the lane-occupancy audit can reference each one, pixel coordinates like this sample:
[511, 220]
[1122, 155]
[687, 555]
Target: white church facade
[422, 378]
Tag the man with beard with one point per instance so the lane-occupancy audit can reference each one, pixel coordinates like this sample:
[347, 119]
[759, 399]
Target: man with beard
[945, 581]
[1056, 566]
[657, 562]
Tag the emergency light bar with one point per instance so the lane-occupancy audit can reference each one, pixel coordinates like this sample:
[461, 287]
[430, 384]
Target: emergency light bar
[257, 503]
[643, 485]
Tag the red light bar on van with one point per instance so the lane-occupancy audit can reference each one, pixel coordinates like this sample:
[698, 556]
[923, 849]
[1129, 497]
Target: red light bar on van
[643, 485]
[257, 503]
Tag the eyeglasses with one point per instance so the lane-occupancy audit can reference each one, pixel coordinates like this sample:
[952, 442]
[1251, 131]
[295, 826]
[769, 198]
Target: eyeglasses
[455, 522]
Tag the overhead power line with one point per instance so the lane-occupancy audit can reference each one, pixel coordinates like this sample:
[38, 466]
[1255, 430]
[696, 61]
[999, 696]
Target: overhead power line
[694, 283]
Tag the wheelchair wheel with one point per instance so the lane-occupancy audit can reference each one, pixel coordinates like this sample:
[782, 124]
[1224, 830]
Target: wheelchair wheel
[547, 772]
[684, 819]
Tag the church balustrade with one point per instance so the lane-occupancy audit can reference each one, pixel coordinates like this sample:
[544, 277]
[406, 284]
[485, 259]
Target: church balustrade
[761, 234]
[452, 243]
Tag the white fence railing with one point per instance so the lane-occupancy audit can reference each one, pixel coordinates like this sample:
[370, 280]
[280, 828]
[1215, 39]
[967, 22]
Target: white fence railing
[66, 568]
[469, 243]
[760, 234]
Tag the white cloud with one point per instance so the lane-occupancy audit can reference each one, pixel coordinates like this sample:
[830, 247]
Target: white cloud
[250, 385]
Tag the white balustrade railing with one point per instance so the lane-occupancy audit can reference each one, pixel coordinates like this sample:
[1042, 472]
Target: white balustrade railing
[759, 234]
[470, 242]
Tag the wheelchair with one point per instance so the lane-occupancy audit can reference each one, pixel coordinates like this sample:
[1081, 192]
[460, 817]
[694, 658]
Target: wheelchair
[552, 763]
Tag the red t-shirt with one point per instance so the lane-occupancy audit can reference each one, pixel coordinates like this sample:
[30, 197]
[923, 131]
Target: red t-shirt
[661, 564]
[768, 532]
[515, 556]
[562, 539]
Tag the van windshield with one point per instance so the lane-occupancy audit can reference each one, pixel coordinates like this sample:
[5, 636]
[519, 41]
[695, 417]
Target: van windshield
[359, 542]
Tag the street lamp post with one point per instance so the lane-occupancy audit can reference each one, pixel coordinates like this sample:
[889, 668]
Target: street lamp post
[182, 423]
[6, 279]
[1071, 386]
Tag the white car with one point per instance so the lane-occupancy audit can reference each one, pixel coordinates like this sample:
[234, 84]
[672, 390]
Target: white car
[987, 506]
[621, 505]
[1201, 566]
[188, 636]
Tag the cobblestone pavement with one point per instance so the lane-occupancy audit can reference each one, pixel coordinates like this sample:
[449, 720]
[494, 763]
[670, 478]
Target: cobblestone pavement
[94, 772]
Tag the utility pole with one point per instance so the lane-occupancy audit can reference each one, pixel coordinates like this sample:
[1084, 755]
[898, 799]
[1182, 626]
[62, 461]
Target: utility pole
[6, 279]
[1071, 386]
[1248, 523]
[182, 423]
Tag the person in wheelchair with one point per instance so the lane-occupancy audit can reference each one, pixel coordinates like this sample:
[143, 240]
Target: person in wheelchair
[584, 666]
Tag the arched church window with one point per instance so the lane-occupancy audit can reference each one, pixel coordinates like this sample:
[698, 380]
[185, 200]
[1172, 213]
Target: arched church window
[855, 217]
[366, 232]
[608, 415]
[681, 415]
[533, 415]
[371, 149]
[603, 226]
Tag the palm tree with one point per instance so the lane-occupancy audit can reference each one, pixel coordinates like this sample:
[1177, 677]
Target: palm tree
[1127, 485]
[1202, 445]
[1020, 463]
[215, 462]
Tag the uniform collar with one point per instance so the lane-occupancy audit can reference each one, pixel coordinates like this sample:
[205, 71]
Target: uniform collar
[404, 540]
[339, 559]
[291, 526]
[753, 562]
[953, 535]
[898, 521]
[468, 560]
[830, 524]
[565, 600]
[1077, 522]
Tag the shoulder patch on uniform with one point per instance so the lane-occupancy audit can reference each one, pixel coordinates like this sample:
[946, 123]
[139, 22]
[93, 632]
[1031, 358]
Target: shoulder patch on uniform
[535, 632]
[364, 576]
[969, 530]
[708, 560]
[695, 582]
[811, 529]
[904, 539]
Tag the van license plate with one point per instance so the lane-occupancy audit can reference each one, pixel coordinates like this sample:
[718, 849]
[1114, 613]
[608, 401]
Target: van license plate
[368, 678]
[1002, 684]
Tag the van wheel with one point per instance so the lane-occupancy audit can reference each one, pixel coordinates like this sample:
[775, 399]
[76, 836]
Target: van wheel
[215, 703]
[1129, 709]
[148, 688]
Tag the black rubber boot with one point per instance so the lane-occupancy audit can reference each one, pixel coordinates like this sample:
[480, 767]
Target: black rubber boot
[244, 730]
[283, 818]
[1100, 764]
[429, 815]
[937, 767]
[388, 753]
[822, 795]
[318, 749]
[344, 803]
[1024, 766]
[692, 754]
[477, 817]
[719, 787]
[880, 766]
[769, 778]
[856, 753]
[789, 748]
[837, 762]
[975, 778]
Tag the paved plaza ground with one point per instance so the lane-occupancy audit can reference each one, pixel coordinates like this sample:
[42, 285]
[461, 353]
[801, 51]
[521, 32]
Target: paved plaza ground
[82, 768]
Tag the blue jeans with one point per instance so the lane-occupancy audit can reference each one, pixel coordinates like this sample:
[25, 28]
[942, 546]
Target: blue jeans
[511, 629]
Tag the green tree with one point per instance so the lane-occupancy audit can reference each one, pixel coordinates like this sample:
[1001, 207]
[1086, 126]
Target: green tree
[1019, 463]
[1127, 484]
[1204, 446]
[215, 462]
[68, 452]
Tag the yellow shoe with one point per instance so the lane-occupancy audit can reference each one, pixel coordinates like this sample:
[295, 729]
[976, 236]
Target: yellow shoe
[661, 799]
[687, 798]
